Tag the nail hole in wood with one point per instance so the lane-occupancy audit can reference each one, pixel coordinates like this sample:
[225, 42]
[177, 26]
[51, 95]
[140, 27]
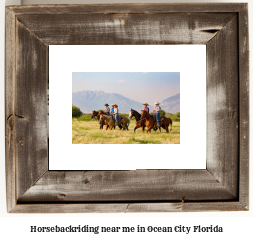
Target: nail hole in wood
[61, 195]
[86, 181]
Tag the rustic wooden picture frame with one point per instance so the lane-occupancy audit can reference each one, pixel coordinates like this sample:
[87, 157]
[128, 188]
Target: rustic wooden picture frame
[222, 186]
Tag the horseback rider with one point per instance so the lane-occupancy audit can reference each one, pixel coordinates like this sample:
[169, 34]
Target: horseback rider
[107, 109]
[116, 113]
[112, 110]
[157, 110]
[146, 107]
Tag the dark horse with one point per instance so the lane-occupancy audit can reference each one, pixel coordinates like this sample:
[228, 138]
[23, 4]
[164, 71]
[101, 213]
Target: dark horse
[164, 123]
[97, 114]
[137, 116]
[103, 123]
[140, 123]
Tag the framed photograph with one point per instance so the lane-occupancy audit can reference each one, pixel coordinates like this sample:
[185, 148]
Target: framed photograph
[177, 79]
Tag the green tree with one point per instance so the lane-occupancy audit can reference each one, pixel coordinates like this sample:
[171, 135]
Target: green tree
[178, 114]
[162, 112]
[76, 112]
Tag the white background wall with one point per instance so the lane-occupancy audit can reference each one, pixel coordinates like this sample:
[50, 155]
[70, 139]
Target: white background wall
[234, 223]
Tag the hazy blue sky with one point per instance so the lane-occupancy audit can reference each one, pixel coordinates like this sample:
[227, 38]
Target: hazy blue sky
[139, 86]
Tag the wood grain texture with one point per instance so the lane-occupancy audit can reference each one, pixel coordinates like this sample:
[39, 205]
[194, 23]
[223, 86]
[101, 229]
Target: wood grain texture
[30, 108]
[222, 107]
[154, 8]
[129, 207]
[139, 185]
[120, 29]
[244, 107]
[9, 109]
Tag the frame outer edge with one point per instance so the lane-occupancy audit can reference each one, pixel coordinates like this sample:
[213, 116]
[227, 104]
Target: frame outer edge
[10, 70]
[145, 8]
[10, 60]
[244, 106]
[129, 207]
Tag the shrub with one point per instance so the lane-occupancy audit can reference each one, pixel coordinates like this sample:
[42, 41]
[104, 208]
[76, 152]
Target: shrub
[76, 112]
[172, 116]
[86, 117]
[162, 112]
[178, 114]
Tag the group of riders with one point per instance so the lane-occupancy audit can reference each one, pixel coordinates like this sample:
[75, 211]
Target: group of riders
[115, 111]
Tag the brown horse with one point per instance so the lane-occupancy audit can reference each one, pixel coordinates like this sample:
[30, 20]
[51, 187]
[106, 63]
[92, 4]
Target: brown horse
[123, 122]
[109, 120]
[97, 114]
[104, 122]
[112, 115]
[149, 120]
[164, 123]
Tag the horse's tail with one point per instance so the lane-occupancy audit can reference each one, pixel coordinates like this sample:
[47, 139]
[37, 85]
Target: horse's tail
[171, 124]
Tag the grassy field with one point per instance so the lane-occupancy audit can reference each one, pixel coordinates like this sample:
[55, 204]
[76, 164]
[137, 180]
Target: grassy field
[86, 131]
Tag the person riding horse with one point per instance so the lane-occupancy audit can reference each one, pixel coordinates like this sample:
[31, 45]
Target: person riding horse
[107, 109]
[157, 110]
[146, 107]
[116, 113]
[112, 110]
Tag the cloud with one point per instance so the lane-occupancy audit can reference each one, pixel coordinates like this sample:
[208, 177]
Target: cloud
[145, 72]
[121, 81]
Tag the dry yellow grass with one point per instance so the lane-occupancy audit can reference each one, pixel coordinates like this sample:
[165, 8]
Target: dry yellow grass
[88, 132]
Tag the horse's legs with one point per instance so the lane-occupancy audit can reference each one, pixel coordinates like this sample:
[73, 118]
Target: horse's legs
[143, 127]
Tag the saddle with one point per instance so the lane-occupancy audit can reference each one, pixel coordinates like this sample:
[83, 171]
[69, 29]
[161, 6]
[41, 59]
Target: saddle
[119, 117]
[161, 119]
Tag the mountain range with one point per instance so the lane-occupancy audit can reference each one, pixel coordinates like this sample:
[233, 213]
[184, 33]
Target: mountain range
[94, 100]
[171, 104]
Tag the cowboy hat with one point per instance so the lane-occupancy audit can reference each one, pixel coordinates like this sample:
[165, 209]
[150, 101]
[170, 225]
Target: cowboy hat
[115, 105]
[145, 104]
[106, 105]
[157, 103]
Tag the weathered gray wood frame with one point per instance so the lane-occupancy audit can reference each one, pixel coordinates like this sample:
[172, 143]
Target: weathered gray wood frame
[222, 186]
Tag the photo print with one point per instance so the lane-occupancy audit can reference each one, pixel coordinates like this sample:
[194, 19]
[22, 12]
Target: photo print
[126, 107]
